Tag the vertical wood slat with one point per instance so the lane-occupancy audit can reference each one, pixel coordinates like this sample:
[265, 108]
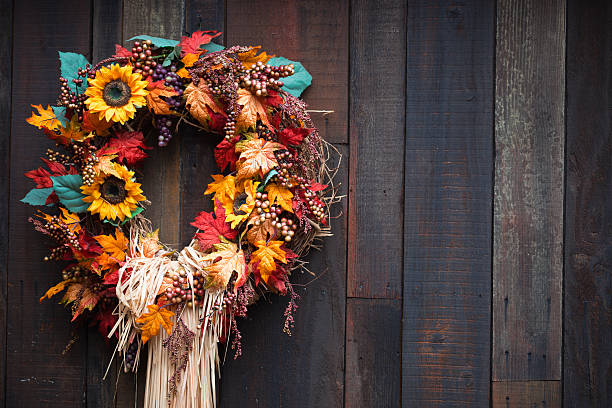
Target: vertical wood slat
[528, 202]
[588, 207]
[38, 374]
[373, 351]
[314, 33]
[102, 393]
[447, 211]
[6, 47]
[377, 125]
[532, 394]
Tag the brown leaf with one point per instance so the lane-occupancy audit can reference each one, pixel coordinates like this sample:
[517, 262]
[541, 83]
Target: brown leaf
[253, 107]
[198, 98]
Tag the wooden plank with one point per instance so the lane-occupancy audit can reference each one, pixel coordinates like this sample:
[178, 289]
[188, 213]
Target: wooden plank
[528, 214]
[6, 47]
[588, 208]
[447, 210]
[312, 32]
[197, 147]
[520, 394]
[306, 369]
[373, 353]
[102, 393]
[377, 126]
[38, 374]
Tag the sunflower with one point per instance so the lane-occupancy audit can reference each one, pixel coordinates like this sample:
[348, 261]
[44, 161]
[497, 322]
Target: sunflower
[113, 195]
[243, 204]
[115, 93]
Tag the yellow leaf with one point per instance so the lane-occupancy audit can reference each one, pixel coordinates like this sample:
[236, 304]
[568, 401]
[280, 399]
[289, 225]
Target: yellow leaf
[115, 247]
[106, 165]
[156, 103]
[153, 321]
[198, 98]
[188, 60]
[55, 290]
[45, 118]
[73, 131]
[227, 259]
[256, 158]
[236, 216]
[223, 188]
[280, 195]
[265, 255]
[249, 57]
[253, 107]
[71, 220]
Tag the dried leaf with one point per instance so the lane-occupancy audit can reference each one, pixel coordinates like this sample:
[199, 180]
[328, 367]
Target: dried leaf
[223, 188]
[153, 321]
[198, 98]
[249, 57]
[193, 43]
[157, 90]
[72, 221]
[256, 158]
[114, 246]
[262, 232]
[253, 108]
[265, 256]
[45, 118]
[280, 195]
[129, 147]
[212, 227]
[227, 259]
[55, 289]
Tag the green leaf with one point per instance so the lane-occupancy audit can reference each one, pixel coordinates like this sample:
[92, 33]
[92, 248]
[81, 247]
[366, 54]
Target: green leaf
[68, 189]
[70, 63]
[60, 114]
[117, 223]
[296, 83]
[158, 42]
[270, 174]
[174, 55]
[37, 196]
[212, 47]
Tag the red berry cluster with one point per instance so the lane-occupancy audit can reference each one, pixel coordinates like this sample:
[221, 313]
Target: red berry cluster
[260, 78]
[142, 58]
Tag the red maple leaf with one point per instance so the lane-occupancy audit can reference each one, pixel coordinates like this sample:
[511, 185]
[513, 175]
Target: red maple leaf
[128, 146]
[212, 227]
[106, 321]
[317, 187]
[225, 154]
[191, 45]
[217, 121]
[273, 99]
[121, 52]
[293, 136]
[42, 177]
[89, 246]
[276, 120]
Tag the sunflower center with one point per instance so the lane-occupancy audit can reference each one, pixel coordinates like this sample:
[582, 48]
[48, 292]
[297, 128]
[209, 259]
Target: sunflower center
[116, 93]
[113, 190]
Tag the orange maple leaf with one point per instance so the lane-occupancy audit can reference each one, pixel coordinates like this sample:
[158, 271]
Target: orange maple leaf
[227, 259]
[198, 98]
[245, 206]
[261, 232]
[188, 60]
[256, 158]
[265, 255]
[85, 297]
[249, 57]
[55, 290]
[223, 188]
[253, 107]
[153, 321]
[45, 118]
[115, 247]
[280, 195]
[154, 100]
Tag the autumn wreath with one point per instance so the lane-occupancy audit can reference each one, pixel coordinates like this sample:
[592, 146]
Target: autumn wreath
[269, 204]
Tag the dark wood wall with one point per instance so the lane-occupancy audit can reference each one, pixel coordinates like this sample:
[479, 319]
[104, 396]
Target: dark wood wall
[472, 262]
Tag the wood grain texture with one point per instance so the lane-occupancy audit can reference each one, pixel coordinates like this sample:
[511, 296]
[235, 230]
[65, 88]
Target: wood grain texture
[205, 15]
[587, 380]
[377, 126]
[373, 353]
[528, 214]
[314, 33]
[306, 369]
[448, 202]
[162, 184]
[38, 374]
[532, 394]
[6, 48]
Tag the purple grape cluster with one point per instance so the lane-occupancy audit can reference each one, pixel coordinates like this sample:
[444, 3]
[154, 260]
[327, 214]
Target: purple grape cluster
[171, 79]
[130, 356]
[164, 123]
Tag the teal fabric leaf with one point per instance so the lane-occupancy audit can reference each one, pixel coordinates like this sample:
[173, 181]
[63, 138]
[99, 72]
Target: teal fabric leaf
[68, 189]
[60, 114]
[212, 47]
[296, 83]
[118, 222]
[37, 196]
[70, 63]
[158, 42]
